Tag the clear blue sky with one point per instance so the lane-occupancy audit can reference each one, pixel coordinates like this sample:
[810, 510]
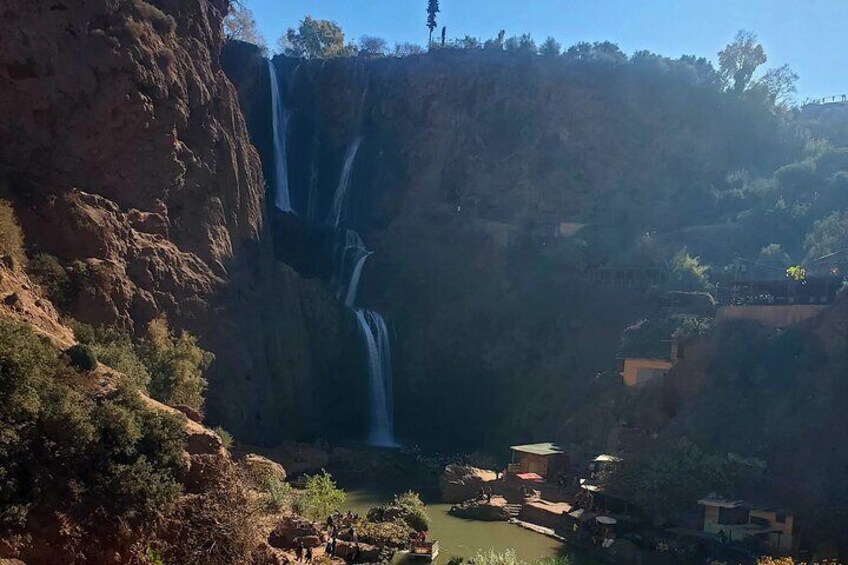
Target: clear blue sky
[809, 35]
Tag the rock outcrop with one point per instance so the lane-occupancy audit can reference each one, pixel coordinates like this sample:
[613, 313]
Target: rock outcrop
[458, 483]
[293, 530]
[493, 511]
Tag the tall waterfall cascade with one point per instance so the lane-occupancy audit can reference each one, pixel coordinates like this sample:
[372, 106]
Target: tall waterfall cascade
[349, 258]
[279, 123]
[376, 336]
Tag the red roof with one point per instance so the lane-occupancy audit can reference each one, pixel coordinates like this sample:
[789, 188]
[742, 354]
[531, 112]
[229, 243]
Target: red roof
[529, 477]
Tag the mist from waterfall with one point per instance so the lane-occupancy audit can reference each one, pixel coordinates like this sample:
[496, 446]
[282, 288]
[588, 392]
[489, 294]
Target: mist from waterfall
[280, 123]
[376, 336]
[335, 215]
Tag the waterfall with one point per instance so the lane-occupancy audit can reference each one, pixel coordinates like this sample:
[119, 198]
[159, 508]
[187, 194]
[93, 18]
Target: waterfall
[335, 215]
[350, 256]
[280, 124]
[376, 337]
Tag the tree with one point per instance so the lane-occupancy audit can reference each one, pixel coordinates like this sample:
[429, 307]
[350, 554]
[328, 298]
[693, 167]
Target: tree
[407, 49]
[550, 47]
[496, 43]
[521, 44]
[687, 273]
[779, 84]
[739, 59]
[321, 497]
[241, 25]
[828, 235]
[315, 39]
[432, 10]
[371, 46]
[176, 365]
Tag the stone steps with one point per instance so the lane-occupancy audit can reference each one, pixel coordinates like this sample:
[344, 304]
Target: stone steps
[513, 509]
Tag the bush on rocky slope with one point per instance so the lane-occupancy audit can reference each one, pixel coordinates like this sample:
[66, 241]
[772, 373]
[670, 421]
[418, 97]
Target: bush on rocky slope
[61, 450]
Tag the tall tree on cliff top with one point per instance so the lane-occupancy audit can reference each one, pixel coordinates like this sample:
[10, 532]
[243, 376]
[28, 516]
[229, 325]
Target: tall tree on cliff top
[738, 61]
[241, 25]
[432, 10]
[315, 39]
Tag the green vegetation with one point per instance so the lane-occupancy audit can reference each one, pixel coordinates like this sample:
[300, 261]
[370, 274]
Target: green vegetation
[406, 509]
[508, 557]
[226, 437]
[115, 349]
[687, 272]
[169, 367]
[667, 480]
[175, 364]
[11, 235]
[82, 357]
[278, 495]
[432, 10]
[48, 272]
[315, 39]
[321, 497]
[738, 60]
[62, 450]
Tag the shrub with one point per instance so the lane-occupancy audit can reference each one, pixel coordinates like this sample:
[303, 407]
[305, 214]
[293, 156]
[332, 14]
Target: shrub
[175, 364]
[46, 270]
[60, 450]
[321, 497]
[82, 357]
[116, 349]
[414, 512]
[11, 235]
[494, 557]
[278, 494]
[226, 437]
[687, 273]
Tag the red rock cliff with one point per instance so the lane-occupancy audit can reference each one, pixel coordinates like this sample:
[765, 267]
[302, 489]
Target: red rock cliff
[123, 147]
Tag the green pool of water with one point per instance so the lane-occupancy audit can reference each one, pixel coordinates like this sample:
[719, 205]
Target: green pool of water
[463, 538]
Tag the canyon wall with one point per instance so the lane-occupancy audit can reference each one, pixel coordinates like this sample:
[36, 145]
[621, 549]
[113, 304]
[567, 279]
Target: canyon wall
[491, 186]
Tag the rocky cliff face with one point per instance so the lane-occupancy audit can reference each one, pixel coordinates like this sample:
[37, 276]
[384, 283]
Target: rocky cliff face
[124, 149]
[490, 187]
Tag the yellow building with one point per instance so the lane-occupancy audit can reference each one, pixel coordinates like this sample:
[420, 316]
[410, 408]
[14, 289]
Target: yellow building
[639, 371]
[737, 520]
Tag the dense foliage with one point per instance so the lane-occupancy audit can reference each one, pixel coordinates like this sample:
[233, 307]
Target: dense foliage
[170, 367]
[321, 497]
[668, 480]
[62, 450]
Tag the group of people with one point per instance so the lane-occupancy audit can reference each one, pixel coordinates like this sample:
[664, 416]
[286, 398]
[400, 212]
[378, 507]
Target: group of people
[485, 493]
[336, 524]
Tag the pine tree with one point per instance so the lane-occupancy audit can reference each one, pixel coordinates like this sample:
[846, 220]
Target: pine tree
[432, 10]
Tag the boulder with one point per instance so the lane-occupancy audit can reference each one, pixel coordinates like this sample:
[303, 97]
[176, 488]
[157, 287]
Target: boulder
[291, 530]
[367, 553]
[461, 482]
[259, 468]
[481, 510]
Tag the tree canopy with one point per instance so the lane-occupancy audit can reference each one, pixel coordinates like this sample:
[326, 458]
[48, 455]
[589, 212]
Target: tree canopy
[241, 25]
[315, 39]
[739, 60]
